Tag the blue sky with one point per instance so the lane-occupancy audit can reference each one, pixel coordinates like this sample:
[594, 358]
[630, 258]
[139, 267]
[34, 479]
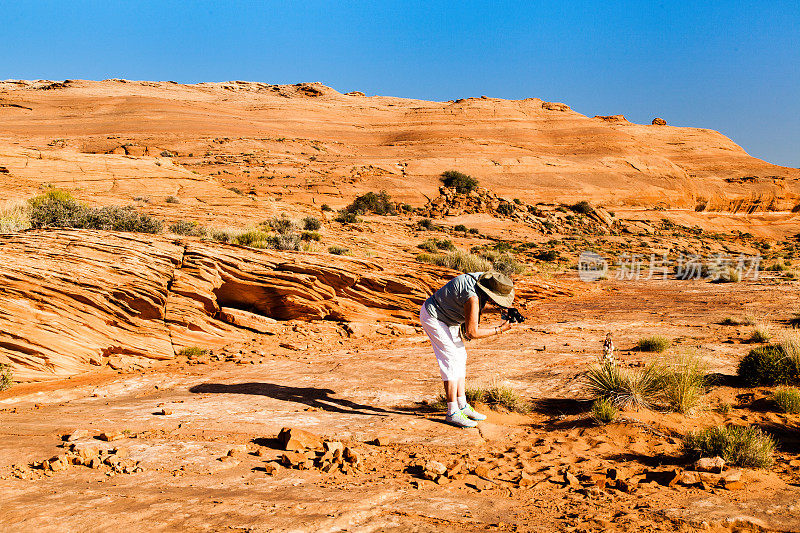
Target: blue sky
[725, 65]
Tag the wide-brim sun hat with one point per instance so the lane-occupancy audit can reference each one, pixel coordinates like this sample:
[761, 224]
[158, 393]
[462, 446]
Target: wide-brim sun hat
[498, 287]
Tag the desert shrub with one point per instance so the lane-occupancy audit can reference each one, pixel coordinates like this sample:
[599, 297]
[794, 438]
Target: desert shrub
[285, 241]
[119, 219]
[729, 275]
[254, 239]
[223, 235]
[734, 321]
[604, 411]
[236, 190]
[459, 181]
[507, 265]
[377, 203]
[684, 383]
[310, 236]
[761, 333]
[473, 231]
[655, 343]
[460, 227]
[744, 446]
[311, 224]
[795, 321]
[192, 351]
[457, 260]
[281, 225]
[787, 399]
[547, 255]
[59, 209]
[425, 224]
[506, 209]
[517, 201]
[171, 200]
[338, 250]
[346, 217]
[325, 208]
[13, 216]
[767, 365]
[6, 376]
[624, 387]
[433, 245]
[583, 207]
[188, 227]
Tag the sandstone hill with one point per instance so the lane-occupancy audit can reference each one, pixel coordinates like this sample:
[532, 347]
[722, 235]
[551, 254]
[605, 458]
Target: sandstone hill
[124, 138]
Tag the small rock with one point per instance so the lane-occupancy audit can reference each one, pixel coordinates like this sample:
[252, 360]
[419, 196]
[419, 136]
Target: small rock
[108, 436]
[271, 468]
[293, 439]
[239, 449]
[380, 441]
[481, 471]
[710, 464]
[733, 485]
[77, 434]
[525, 480]
[165, 412]
[351, 456]
[334, 447]
[571, 480]
[732, 476]
[296, 460]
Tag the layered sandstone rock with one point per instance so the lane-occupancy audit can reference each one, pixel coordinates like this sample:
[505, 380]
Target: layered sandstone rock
[70, 299]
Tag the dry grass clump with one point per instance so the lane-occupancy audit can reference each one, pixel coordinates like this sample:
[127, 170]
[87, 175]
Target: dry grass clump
[604, 411]
[14, 216]
[744, 446]
[193, 351]
[761, 333]
[655, 343]
[787, 399]
[737, 321]
[189, 228]
[457, 260]
[6, 377]
[59, 209]
[311, 224]
[684, 381]
[338, 250]
[434, 245]
[498, 395]
[625, 387]
[768, 365]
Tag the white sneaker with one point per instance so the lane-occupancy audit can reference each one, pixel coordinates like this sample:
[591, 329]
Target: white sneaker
[458, 419]
[469, 412]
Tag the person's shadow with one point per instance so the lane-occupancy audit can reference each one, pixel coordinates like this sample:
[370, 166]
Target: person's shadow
[311, 396]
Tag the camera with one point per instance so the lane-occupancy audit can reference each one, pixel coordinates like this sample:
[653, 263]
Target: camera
[512, 315]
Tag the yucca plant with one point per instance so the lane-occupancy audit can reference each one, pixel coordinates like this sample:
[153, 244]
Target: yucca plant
[624, 387]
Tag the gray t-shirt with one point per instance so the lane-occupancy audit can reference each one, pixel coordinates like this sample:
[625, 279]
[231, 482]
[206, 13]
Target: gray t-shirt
[447, 304]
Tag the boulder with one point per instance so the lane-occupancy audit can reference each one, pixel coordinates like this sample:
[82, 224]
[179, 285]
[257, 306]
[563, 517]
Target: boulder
[298, 439]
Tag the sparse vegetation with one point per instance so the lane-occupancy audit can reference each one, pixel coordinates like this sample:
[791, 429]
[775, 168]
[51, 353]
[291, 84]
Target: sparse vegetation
[499, 395]
[684, 383]
[192, 351]
[457, 260]
[311, 224]
[171, 200]
[604, 411]
[794, 322]
[761, 334]
[6, 376]
[733, 321]
[377, 203]
[459, 181]
[460, 227]
[310, 236]
[325, 208]
[425, 224]
[254, 239]
[506, 264]
[744, 446]
[13, 216]
[583, 207]
[188, 227]
[346, 217]
[624, 387]
[434, 245]
[787, 399]
[338, 250]
[767, 365]
[58, 208]
[655, 343]
[281, 225]
[547, 255]
[222, 235]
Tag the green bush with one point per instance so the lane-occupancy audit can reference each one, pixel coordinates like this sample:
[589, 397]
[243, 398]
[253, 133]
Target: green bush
[655, 343]
[310, 236]
[254, 239]
[457, 260]
[192, 351]
[425, 224]
[379, 204]
[460, 227]
[787, 399]
[59, 209]
[338, 250]
[285, 241]
[767, 365]
[473, 231]
[744, 446]
[187, 227]
[604, 411]
[547, 255]
[583, 207]
[6, 376]
[433, 245]
[325, 208]
[281, 225]
[311, 224]
[459, 181]
[171, 200]
[346, 217]
[506, 209]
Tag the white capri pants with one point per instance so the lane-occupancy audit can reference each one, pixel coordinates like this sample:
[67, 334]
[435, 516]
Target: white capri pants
[447, 346]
